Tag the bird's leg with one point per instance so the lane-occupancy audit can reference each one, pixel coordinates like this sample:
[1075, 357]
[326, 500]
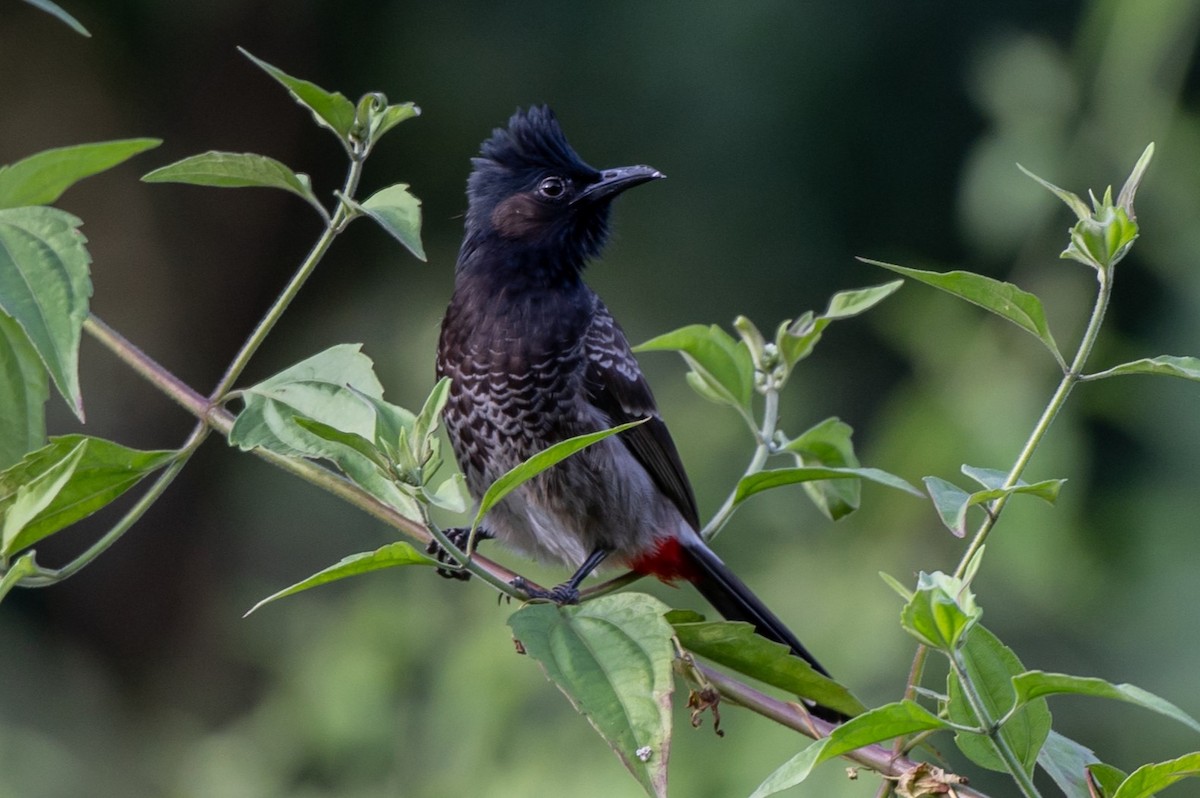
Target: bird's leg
[568, 591]
[459, 536]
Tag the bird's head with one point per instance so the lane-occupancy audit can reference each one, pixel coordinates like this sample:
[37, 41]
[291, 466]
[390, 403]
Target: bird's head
[530, 189]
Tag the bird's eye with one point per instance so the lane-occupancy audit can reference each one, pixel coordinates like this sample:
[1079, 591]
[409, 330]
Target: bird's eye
[552, 188]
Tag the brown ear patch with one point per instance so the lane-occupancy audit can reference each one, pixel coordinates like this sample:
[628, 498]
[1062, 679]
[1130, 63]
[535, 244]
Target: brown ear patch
[519, 216]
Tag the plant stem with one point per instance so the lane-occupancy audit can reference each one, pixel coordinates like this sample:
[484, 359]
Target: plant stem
[765, 435]
[336, 224]
[1015, 768]
[1070, 378]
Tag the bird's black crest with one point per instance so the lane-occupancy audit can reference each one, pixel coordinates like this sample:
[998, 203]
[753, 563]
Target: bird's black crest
[533, 140]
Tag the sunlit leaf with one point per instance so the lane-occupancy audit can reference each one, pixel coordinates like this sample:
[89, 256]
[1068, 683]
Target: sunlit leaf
[1167, 365]
[775, 477]
[736, 646]
[390, 556]
[874, 726]
[236, 170]
[399, 213]
[45, 287]
[1037, 684]
[1149, 779]
[547, 458]
[330, 109]
[612, 658]
[715, 357]
[76, 475]
[1004, 299]
[41, 179]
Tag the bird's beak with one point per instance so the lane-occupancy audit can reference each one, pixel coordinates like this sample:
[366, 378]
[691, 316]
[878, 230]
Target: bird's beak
[614, 181]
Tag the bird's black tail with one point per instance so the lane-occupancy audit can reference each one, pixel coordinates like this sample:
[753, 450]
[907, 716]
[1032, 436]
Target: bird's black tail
[730, 596]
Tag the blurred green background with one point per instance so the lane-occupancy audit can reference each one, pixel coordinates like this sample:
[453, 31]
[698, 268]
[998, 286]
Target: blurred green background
[796, 135]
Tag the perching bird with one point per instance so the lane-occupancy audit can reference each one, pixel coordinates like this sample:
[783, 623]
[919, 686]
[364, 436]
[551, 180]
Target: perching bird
[534, 358]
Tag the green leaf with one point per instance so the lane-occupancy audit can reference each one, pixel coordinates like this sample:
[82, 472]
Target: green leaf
[236, 170]
[547, 458]
[23, 394]
[1070, 199]
[449, 493]
[796, 339]
[1129, 190]
[1107, 778]
[828, 444]
[1036, 684]
[990, 665]
[774, 477]
[1168, 365]
[1004, 299]
[349, 440]
[398, 212]
[65, 481]
[874, 726]
[329, 109]
[45, 287]
[1066, 762]
[41, 179]
[723, 364]
[54, 10]
[1149, 779]
[391, 116]
[389, 556]
[612, 658]
[952, 502]
[736, 646]
[327, 388]
[941, 611]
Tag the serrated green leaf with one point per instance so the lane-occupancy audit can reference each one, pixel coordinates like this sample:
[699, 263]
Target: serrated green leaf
[236, 170]
[990, 665]
[45, 287]
[329, 109]
[612, 659]
[828, 443]
[54, 10]
[77, 476]
[723, 363]
[775, 477]
[41, 179]
[1038, 684]
[327, 388]
[1004, 299]
[390, 556]
[736, 646]
[1149, 779]
[1067, 762]
[23, 394]
[874, 726]
[398, 212]
[1167, 365]
[547, 458]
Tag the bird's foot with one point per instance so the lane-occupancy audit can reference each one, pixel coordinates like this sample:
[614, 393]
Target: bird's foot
[566, 593]
[459, 536]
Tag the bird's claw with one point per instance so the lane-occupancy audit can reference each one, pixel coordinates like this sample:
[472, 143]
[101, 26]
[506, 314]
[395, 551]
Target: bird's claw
[563, 594]
[459, 536]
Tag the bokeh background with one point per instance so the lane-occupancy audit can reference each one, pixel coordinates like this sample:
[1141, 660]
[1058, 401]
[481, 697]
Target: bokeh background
[796, 135]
